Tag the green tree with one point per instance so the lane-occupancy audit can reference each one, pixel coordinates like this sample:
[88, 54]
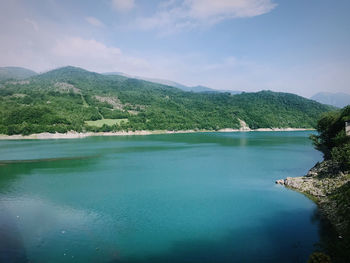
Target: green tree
[332, 140]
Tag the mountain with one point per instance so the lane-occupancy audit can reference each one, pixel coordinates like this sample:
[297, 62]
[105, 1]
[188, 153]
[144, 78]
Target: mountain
[339, 100]
[15, 73]
[72, 98]
[159, 81]
[198, 88]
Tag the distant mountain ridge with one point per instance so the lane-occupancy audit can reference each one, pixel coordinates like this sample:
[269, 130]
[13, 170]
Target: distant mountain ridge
[198, 88]
[15, 73]
[339, 100]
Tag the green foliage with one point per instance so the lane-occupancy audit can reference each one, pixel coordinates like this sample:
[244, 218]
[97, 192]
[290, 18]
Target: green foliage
[113, 114]
[341, 155]
[319, 257]
[64, 99]
[332, 140]
[15, 73]
[340, 248]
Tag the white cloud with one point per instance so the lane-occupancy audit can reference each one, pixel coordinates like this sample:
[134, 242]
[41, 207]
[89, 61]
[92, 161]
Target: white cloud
[221, 9]
[94, 55]
[33, 23]
[41, 43]
[123, 5]
[79, 47]
[175, 15]
[94, 21]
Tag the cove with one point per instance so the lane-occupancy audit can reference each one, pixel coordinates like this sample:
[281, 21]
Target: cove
[199, 197]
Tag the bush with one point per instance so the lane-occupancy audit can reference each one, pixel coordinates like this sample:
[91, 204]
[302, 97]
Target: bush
[332, 140]
[319, 257]
[341, 155]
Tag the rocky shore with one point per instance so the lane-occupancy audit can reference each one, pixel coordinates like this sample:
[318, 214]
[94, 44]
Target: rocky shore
[329, 187]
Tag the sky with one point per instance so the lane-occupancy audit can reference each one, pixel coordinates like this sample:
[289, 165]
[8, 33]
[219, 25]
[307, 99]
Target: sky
[297, 46]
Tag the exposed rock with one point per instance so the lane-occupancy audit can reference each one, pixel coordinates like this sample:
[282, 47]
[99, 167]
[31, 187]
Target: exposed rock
[64, 87]
[280, 181]
[322, 182]
[118, 105]
[19, 95]
[20, 82]
[113, 100]
[243, 125]
[305, 184]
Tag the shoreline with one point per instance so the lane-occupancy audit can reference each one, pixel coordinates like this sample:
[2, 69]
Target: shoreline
[321, 184]
[79, 135]
[328, 187]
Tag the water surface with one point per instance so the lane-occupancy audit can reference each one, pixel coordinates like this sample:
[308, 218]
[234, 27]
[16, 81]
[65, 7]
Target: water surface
[207, 197]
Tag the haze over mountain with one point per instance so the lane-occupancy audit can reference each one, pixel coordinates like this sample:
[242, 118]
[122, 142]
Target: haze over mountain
[339, 99]
[72, 98]
[18, 73]
[197, 88]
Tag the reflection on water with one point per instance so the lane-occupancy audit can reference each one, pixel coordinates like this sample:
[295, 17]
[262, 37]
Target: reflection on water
[165, 198]
[34, 225]
[11, 243]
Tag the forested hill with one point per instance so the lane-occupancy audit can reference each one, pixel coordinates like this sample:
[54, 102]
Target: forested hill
[71, 98]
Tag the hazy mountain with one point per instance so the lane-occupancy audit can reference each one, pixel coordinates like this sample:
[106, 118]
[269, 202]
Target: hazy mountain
[15, 73]
[159, 81]
[198, 88]
[335, 99]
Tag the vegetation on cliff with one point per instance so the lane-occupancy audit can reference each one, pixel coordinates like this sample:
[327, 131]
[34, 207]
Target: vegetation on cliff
[71, 98]
[328, 183]
[332, 140]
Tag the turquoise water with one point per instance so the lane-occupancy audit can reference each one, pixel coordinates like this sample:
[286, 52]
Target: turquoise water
[207, 197]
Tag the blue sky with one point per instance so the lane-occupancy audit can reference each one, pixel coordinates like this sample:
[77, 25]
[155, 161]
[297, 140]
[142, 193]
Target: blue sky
[299, 46]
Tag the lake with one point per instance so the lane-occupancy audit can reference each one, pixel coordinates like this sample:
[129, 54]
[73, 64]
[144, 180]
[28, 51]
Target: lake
[200, 197]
